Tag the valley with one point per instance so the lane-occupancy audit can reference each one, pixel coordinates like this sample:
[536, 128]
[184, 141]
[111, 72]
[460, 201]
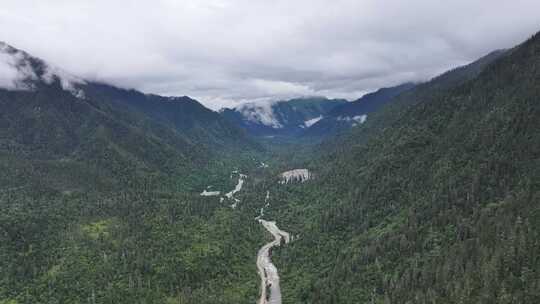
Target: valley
[424, 192]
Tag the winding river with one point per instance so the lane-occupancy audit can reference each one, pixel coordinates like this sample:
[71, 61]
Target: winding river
[270, 291]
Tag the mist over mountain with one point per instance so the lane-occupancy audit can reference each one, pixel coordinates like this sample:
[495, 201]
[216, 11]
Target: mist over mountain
[50, 115]
[281, 118]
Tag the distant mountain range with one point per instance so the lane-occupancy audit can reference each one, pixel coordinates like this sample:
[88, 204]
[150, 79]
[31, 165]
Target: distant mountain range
[281, 118]
[311, 117]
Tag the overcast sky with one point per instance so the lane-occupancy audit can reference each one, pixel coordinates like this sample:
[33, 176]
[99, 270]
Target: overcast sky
[224, 52]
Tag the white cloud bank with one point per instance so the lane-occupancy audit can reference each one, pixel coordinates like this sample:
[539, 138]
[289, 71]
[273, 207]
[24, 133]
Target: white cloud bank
[226, 52]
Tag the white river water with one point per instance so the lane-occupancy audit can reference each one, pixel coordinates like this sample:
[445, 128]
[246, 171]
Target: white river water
[270, 290]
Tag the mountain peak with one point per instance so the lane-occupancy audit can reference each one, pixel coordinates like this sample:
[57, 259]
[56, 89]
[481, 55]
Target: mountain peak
[21, 71]
[280, 117]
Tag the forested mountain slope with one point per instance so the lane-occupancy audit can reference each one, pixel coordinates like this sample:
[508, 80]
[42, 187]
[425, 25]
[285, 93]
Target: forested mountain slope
[396, 106]
[68, 133]
[48, 135]
[355, 113]
[186, 115]
[441, 205]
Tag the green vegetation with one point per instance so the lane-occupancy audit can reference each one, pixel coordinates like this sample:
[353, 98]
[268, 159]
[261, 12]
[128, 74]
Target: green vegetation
[127, 248]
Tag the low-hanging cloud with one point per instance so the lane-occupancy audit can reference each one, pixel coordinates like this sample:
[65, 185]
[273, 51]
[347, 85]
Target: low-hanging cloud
[227, 52]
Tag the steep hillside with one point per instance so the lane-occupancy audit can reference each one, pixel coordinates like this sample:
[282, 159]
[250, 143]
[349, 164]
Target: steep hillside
[439, 206]
[66, 138]
[282, 118]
